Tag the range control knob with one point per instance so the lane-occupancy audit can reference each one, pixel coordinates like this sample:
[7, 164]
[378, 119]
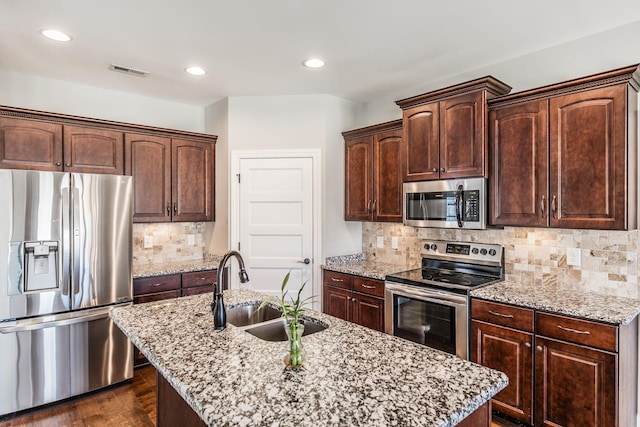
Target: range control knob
[475, 251]
[434, 246]
[483, 251]
[492, 252]
[426, 246]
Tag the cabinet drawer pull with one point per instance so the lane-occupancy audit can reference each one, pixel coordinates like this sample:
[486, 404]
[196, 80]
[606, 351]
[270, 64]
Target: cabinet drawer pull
[168, 210]
[575, 331]
[367, 286]
[175, 208]
[542, 206]
[333, 279]
[554, 207]
[155, 285]
[508, 316]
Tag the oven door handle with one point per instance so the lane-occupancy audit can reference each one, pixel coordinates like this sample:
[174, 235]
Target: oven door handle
[429, 296]
[459, 205]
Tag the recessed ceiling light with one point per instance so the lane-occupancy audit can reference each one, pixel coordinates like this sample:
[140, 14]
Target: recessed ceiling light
[56, 35]
[313, 63]
[196, 71]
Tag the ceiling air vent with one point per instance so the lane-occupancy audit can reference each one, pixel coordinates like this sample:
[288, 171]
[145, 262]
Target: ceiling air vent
[127, 70]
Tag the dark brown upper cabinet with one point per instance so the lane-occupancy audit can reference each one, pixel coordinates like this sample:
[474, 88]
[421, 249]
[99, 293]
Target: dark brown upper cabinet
[373, 173]
[37, 145]
[444, 131]
[565, 155]
[173, 178]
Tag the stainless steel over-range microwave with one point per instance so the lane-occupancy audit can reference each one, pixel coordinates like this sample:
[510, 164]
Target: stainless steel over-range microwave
[451, 203]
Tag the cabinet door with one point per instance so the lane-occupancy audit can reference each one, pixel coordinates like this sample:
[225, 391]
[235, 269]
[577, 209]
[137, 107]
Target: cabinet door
[337, 302]
[192, 180]
[387, 178]
[91, 150]
[518, 182]
[588, 159]
[29, 144]
[358, 197]
[148, 160]
[575, 385]
[368, 311]
[421, 143]
[511, 352]
[462, 136]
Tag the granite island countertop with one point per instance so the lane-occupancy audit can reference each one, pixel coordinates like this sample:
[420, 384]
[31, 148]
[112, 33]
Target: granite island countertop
[352, 375]
[578, 301]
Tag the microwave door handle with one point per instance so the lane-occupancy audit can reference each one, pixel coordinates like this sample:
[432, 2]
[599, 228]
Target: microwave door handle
[459, 205]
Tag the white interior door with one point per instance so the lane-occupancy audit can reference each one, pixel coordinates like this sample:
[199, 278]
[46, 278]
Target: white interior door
[276, 221]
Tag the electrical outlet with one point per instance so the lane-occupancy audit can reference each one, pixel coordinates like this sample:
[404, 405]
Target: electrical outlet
[148, 242]
[394, 243]
[573, 256]
[191, 239]
[380, 242]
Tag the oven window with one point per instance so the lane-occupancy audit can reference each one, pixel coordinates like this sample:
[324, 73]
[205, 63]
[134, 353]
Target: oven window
[427, 323]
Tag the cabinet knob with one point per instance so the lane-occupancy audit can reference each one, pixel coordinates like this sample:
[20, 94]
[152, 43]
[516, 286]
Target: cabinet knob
[527, 344]
[168, 210]
[554, 207]
[442, 169]
[175, 208]
[434, 170]
[58, 164]
[539, 348]
[68, 165]
[542, 207]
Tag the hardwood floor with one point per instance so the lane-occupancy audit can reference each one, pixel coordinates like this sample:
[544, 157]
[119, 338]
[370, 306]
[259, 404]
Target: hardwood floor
[131, 404]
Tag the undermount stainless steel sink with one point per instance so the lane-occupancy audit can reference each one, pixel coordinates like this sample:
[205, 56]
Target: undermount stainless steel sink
[244, 315]
[274, 331]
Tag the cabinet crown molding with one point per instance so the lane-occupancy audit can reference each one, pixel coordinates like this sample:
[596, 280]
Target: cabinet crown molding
[66, 119]
[491, 85]
[373, 129]
[629, 75]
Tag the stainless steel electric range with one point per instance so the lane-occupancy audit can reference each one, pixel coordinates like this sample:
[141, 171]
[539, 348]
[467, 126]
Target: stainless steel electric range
[430, 305]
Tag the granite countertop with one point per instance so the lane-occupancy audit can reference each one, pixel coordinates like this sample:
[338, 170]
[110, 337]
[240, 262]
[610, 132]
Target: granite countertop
[149, 270]
[352, 375]
[359, 266]
[557, 298]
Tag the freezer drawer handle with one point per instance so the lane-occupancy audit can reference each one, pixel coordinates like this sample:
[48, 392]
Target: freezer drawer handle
[21, 326]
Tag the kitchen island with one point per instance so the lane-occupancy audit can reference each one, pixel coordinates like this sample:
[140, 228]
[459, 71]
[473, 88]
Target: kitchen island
[352, 375]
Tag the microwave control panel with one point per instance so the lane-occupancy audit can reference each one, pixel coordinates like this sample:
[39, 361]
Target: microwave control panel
[471, 200]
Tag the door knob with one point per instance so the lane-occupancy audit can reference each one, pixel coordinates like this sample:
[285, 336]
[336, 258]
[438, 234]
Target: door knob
[304, 261]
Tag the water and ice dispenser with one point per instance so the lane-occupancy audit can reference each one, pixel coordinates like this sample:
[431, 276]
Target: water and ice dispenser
[40, 265]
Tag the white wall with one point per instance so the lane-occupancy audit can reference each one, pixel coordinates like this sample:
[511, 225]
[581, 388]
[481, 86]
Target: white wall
[38, 93]
[288, 122]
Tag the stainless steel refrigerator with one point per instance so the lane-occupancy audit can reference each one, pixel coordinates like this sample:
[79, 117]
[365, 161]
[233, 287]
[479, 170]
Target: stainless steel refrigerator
[65, 262]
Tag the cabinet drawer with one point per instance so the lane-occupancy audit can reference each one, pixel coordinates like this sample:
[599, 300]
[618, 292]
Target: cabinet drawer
[368, 286]
[199, 278]
[148, 285]
[502, 314]
[578, 331]
[156, 297]
[196, 290]
[336, 279]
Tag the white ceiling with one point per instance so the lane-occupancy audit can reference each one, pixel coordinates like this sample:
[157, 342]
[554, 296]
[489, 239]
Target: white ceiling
[372, 48]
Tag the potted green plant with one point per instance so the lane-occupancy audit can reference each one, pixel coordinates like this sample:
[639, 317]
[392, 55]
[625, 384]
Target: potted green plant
[292, 310]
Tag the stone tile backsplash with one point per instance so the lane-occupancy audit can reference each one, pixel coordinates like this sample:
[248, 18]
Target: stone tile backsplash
[170, 242]
[609, 259]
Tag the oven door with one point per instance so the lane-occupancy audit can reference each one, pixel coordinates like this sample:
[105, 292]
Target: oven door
[426, 316]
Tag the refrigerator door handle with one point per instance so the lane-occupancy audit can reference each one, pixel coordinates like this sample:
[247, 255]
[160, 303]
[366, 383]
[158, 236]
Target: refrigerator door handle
[57, 320]
[66, 284]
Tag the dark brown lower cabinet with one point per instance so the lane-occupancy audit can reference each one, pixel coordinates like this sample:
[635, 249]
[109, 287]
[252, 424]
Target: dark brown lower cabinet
[575, 385]
[563, 371]
[172, 410]
[511, 352]
[354, 299]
